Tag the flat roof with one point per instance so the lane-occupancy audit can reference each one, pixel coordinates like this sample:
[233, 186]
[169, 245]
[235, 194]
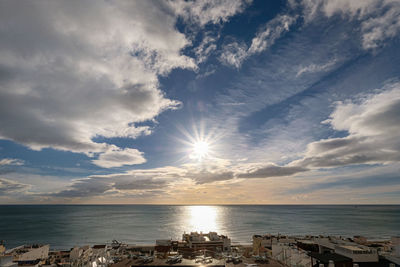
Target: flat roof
[351, 247]
[306, 241]
[326, 257]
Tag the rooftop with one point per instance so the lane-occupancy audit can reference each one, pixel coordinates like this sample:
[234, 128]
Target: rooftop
[325, 258]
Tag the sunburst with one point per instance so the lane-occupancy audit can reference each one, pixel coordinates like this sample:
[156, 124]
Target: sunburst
[200, 144]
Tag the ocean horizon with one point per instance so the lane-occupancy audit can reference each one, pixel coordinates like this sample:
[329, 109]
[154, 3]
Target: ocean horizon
[66, 225]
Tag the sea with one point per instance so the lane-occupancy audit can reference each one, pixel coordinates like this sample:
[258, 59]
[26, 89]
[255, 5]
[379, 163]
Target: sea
[65, 226]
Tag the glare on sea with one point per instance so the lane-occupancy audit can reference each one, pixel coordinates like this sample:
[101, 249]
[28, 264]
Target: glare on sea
[202, 218]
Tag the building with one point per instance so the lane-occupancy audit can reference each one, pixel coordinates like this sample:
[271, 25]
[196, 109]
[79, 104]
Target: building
[163, 247]
[330, 259]
[307, 245]
[207, 241]
[286, 252]
[261, 243]
[7, 261]
[358, 253]
[29, 255]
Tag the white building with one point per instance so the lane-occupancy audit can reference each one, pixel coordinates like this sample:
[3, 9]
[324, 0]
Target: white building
[210, 241]
[357, 252]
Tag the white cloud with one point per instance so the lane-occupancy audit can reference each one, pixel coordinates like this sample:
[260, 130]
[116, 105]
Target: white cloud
[379, 18]
[72, 71]
[117, 157]
[235, 53]
[373, 126]
[202, 12]
[205, 48]
[313, 68]
[270, 32]
[378, 29]
[7, 161]
[345, 7]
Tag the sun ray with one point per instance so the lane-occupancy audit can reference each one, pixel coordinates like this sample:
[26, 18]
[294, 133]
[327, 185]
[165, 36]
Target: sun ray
[199, 144]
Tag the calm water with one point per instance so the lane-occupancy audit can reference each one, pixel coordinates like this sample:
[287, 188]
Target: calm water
[63, 226]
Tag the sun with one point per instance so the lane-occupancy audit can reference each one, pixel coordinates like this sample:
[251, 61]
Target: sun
[200, 144]
[200, 149]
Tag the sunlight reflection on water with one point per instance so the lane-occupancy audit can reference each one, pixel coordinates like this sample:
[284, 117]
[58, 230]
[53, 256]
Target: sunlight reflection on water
[202, 218]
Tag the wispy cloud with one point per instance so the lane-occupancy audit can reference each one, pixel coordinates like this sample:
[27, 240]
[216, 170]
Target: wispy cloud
[8, 187]
[15, 162]
[379, 18]
[235, 53]
[207, 11]
[313, 68]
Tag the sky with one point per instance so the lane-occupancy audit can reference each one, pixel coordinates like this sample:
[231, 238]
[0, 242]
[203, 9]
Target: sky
[200, 102]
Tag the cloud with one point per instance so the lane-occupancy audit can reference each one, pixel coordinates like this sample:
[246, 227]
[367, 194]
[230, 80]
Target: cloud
[380, 28]
[199, 14]
[117, 157]
[143, 184]
[84, 188]
[71, 71]
[140, 181]
[15, 162]
[203, 12]
[204, 177]
[272, 170]
[205, 48]
[373, 126]
[113, 185]
[379, 18]
[364, 182]
[7, 162]
[270, 33]
[7, 186]
[235, 53]
[313, 68]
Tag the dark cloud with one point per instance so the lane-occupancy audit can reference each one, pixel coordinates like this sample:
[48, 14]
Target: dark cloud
[85, 188]
[204, 177]
[364, 182]
[97, 186]
[140, 184]
[7, 186]
[272, 171]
